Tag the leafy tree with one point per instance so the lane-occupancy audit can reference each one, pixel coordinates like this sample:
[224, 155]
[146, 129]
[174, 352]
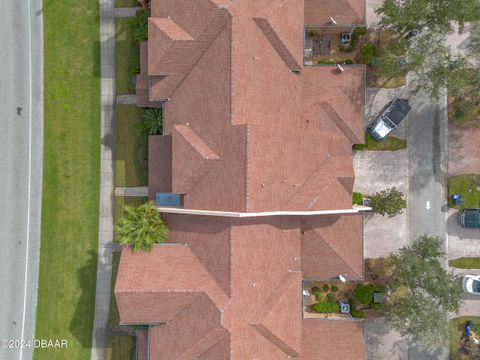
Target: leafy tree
[422, 292]
[139, 25]
[388, 202]
[142, 227]
[152, 122]
[369, 54]
[436, 16]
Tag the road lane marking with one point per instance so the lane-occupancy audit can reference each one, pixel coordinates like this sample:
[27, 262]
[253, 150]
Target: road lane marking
[29, 168]
[428, 205]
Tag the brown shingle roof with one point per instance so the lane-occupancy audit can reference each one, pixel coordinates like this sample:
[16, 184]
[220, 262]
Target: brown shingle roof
[255, 262]
[345, 12]
[238, 94]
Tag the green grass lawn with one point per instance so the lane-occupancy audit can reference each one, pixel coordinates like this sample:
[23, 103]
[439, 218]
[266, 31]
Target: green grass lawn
[126, 3]
[130, 170]
[70, 203]
[457, 326]
[389, 144]
[120, 203]
[127, 57]
[468, 186]
[465, 263]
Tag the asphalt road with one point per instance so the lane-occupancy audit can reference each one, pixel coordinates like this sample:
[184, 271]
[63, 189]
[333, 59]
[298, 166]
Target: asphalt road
[427, 141]
[427, 144]
[21, 144]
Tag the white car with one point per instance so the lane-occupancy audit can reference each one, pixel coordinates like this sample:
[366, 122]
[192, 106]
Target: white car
[471, 284]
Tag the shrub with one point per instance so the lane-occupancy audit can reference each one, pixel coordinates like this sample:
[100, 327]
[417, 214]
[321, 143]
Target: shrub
[325, 307]
[315, 290]
[358, 314]
[378, 288]
[139, 26]
[388, 202]
[152, 122]
[359, 31]
[325, 288]
[369, 54]
[357, 198]
[348, 62]
[333, 288]
[326, 62]
[377, 306]
[330, 297]
[364, 293]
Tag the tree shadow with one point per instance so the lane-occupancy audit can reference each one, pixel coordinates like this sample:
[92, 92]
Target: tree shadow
[81, 324]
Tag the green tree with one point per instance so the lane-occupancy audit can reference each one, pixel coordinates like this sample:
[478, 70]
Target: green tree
[142, 227]
[435, 16]
[139, 25]
[422, 292]
[152, 122]
[388, 202]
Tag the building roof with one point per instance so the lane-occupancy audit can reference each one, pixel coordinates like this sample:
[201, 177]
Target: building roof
[243, 111]
[250, 272]
[345, 12]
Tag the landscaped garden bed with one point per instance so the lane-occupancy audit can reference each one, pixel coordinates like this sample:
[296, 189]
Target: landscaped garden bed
[325, 299]
[463, 347]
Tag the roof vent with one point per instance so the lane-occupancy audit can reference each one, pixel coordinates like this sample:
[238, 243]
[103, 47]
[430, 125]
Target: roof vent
[333, 21]
[339, 68]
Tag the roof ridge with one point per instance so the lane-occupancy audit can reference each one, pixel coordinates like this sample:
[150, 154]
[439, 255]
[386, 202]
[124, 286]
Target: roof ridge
[205, 343]
[339, 122]
[277, 43]
[267, 334]
[330, 247]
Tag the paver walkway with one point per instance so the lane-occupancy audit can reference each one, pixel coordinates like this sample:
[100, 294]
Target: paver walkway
[126, 12]
[105, 237]
[130, 99]
[131, 191]
[464, 150]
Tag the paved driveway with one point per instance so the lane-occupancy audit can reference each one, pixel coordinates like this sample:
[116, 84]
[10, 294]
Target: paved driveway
[376, 171]
[461, 242]
[463, 151]
[377, 98]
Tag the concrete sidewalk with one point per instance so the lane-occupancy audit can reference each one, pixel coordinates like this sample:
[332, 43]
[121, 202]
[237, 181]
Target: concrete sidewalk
[105, 237]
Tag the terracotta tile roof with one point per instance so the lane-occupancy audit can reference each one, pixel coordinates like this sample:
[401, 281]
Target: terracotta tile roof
[345, 12]
[142, 81]
[237, 93]
[248, 270]
[332, 340]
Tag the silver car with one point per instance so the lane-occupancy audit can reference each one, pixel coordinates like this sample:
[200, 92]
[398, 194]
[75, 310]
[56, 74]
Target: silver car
[471, 284]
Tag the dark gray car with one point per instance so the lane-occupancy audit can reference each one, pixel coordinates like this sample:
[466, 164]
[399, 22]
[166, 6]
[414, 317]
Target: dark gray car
[391, 116]
[469, 218]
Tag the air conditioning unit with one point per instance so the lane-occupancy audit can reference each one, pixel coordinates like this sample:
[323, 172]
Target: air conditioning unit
[346, 38]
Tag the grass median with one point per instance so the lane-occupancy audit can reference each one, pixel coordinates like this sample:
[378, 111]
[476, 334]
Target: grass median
[70, 201]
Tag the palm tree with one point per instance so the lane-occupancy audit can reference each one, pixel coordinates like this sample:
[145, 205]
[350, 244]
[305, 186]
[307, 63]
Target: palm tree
[152, 122]
[142, 227]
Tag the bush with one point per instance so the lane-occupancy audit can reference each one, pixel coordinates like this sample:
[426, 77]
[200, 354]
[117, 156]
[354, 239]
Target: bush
[388, 202]
[369, 54]
[358, 314]
[333, 288]
[316, 289]
[326, 62]
[330, 297]
[325, 307]
[152, 122]
[359, 31]
[139, 25]
[357, 198]
[364, 293]
[378, 288]
[325, 288]
[348, 62]
[377, 306]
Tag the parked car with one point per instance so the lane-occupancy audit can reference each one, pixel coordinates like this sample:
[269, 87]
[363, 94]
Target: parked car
[391, 116]
[471, 284]
[469, 218]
